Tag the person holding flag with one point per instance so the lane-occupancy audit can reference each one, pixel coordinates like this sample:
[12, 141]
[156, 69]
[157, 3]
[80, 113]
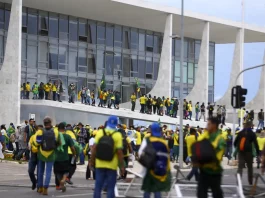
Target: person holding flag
[100, 90]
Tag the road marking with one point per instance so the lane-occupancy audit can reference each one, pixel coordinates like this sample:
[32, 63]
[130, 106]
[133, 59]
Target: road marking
[75, 195]
[3, 190]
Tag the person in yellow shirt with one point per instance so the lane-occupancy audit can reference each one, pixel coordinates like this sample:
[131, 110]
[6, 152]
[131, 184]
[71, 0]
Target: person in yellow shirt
[142, 103]
[240, 115]
[33, 161]
[27, 90]
[133, 101]
[47, 91]
[176, 145]
[190, 109]
[106, 162]
[105, 96]
[54, 89]
[138, 137]
[261, 143]
[154, 105]
[190, 140]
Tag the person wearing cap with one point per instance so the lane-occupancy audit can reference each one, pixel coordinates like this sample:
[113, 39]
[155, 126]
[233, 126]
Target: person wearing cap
[81, 135]
[46, 158]
[261, 143]
[61, 167]
[106, 171]
[155, 181]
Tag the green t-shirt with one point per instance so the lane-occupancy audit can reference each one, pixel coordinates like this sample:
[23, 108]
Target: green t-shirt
[63, 155]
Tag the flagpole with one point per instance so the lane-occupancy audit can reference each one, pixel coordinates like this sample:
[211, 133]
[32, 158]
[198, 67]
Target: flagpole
[242, 48]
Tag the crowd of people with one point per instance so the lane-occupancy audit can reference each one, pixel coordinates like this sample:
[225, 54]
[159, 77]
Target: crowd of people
[109, 147]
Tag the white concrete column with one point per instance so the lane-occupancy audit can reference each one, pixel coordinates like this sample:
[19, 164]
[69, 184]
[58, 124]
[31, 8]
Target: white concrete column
[162, 86]
[199, 93]
[10, 74]
[258, 101]
[236, 68]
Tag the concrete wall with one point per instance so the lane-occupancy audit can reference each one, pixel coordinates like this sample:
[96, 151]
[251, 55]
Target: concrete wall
[10, 73]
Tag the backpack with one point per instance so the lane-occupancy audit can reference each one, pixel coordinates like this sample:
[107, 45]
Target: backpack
[48, 142]
[203, 152]
[105, 147]
[161, 164]
[148, 156]
[244, 144]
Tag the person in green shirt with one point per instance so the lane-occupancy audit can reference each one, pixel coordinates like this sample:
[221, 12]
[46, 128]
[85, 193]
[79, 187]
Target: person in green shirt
[61, 164]
[197, 110]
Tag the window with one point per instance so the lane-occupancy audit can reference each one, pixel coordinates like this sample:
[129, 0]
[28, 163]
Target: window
[101, 33]
[63, 27]
[117, 65]
[134, 39]
[157, 44]
[149, 43]
[211, 52]
[134, 67]
[43, 52]
[126, 65]
[177, 71]
[72, 59]
[117, 36]
[109, 36]
[100, 59]
[191, 48]
[73, 29]
[2, 16]
[156, 67]
[109, 64]
[53, 25]
[23, 48]
[91, 63]
[7, 17]
[141, 41]
[185, 49]
[149, 68]
[32, 21]
[92, 32]
[185, 73]
[53, 56]
[43, 23]
[177, 48]
[82, 30]
[63, 56]
[141, 66]
[190, 73]
[126, 42]
[32, 54]
[211, 78]
[197, 50]
[82, 60]
[24, 20]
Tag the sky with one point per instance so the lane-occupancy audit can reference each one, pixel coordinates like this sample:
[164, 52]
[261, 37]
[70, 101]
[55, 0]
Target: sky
[253, 53]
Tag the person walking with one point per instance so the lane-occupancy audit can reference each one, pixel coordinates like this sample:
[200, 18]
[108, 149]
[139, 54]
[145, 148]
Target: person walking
[175, 108]
[83, 95]
[27, 90]
[35, 91]
[223, 114]
[133, 100]
[142, 103]
[158, 178]
[190, 109]
[46, 140]
[261, 119]
[54, 91]
[261, 143]
[88, 96]
[81, 137]
[154, 102]
[229, 145]
[244, 143]
[41, 91]
[106, 157]
[219, 113]
[197, 111]
[202, 112]
[71, 93]
[211, 173]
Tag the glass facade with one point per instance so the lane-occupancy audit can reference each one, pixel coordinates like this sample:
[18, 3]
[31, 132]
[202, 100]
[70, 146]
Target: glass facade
[77, 50]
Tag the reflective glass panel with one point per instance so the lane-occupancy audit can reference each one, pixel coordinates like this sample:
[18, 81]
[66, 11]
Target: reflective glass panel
[24, 17]
[101, 34]
[92, 33]
[53, 25]
[211, 53]
[117, 65]
[156, 44]
[73, 29]
[109, 64]
[7, 18]
[126, 43]
[32, 54]
[83, 27]
[126, 65]
[134, 39]
[43, 51]
[211, 78]
[141, 67]
[141, 41]
[177, 69]
[100, 59]
[149, 43]
[177, 47]
[32, 22]
[23, 48]
[149, 65]
[91, 63]
[134, 66]
[82, 60]
[117, 36]
[53, 57]
[63, 54]
[156, 66]
[43, 23]
[63, 27]
[109, 36]
[185, 73]
[72, 59]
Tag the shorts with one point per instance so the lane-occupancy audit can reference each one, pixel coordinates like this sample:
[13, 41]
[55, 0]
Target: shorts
[61, 167]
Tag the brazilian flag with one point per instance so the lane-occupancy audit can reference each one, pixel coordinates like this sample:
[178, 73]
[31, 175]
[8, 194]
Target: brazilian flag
[137, 85]
[103, 83]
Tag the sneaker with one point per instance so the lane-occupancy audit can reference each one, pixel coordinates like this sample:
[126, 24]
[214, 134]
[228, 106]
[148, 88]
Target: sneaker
[62, 186]
[58, 188]
[68, 181]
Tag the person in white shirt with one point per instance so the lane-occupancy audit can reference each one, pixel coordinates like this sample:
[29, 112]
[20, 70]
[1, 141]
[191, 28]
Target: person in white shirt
[3, 137]
[88, 96]
[89, 148]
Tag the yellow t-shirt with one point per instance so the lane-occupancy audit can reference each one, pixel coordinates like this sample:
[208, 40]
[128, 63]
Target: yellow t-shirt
[190, 141]
[142, 100]
[27, 87]
[133, 98]
[138, 138]
[261, 143]
[147, 135]
[34, 149]
[176, 137]
[54, 88]
[72, 135]
[189, 107]
[105, 96]
[224, 135]
[113, 165]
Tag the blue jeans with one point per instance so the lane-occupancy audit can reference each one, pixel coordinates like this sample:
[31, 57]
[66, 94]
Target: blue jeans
[33, 161]
[88, 100]
[229, 153]
[190, 114]
[82, 156]
[148, 194]
[104, 175]
[48, 173]
[197, 116]
[171, 154]
[194, 171]
[261, 124]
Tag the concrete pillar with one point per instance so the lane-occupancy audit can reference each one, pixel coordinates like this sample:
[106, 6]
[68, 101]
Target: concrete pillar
[162, 86]
[199, 93]
[258, 101]
[10, 74]
[236, 68]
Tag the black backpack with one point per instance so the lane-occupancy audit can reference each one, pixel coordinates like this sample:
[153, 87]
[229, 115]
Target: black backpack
[148, 156]
[203, 152]
[105, 147]
[48, 140]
